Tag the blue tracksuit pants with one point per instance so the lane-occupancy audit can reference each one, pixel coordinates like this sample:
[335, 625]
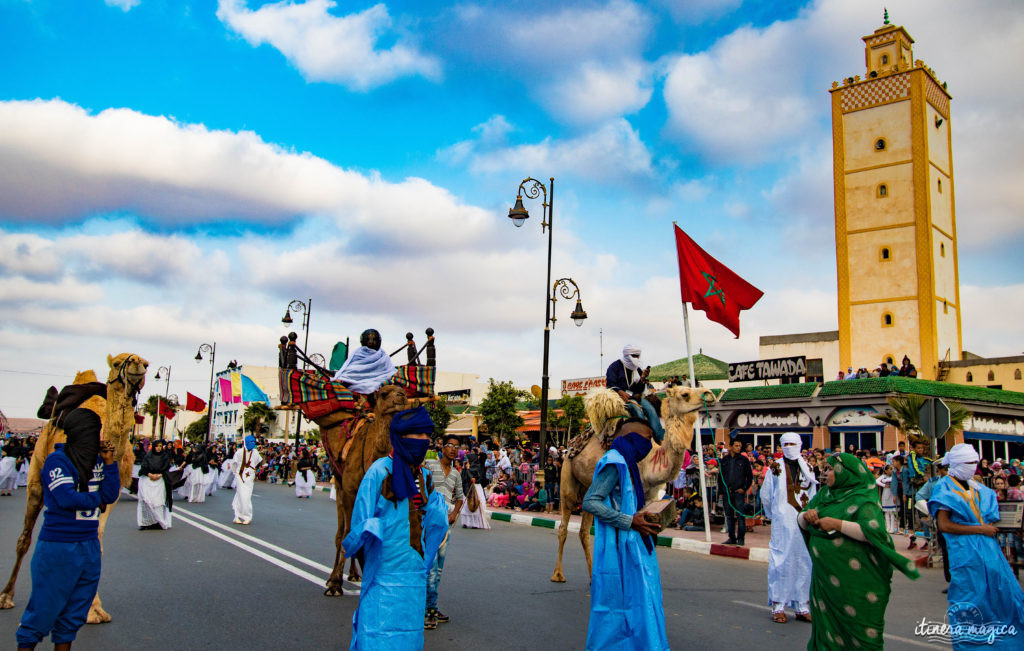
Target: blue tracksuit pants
[65, 576]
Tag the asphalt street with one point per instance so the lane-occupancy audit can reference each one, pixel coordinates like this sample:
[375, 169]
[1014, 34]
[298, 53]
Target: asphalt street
[208, 584]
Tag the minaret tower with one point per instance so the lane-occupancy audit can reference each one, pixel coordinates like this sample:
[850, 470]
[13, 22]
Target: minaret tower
[899, 290]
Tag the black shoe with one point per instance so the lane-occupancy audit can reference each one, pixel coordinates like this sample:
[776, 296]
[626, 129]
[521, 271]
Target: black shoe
[945, 591]
[741, 543]
[439, 616]
[729, 542]
[429, 621]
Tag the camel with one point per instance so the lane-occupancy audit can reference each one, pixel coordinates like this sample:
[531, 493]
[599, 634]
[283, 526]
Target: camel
[369, 442]
[604, 409]
[117, 412]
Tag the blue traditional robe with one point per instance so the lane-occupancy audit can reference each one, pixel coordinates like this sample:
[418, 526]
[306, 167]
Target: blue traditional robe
[394, 593]
[626, 610]
[982, 586]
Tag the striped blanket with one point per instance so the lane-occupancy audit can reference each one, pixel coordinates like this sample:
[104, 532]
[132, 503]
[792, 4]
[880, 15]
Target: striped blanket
[318, 396]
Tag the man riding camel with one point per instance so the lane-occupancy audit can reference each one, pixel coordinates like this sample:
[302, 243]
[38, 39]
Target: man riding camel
[368, 368]
[625, 377]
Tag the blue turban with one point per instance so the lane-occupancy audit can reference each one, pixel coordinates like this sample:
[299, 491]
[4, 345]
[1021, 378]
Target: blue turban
[250, 442]
[408, 453]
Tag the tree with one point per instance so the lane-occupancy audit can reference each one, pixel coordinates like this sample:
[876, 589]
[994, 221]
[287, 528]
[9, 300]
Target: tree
[196, 432]
[257, 417]
[313, 435]
[571, 420]
[440, 415]
[150, 408]
[498, 410]
[904, 414]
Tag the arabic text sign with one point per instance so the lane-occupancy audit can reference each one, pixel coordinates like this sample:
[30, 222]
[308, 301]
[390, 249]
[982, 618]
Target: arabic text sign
[579, 386]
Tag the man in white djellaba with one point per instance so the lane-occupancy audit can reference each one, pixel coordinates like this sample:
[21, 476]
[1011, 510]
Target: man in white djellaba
[247, 459]
[154, 509]
[787, 488]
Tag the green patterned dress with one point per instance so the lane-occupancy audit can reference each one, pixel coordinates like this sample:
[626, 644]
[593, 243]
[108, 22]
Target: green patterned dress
[850, 579]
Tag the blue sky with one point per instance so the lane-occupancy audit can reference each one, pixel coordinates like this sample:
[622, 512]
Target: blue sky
[176, 172]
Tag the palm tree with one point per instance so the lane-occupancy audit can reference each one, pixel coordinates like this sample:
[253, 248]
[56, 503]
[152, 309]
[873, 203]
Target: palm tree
[904, 413]
[257, 416]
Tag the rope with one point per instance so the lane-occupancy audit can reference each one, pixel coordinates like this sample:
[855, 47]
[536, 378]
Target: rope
[728, 496]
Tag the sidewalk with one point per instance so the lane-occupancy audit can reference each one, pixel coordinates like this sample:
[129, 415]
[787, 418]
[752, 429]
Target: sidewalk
[756, 548]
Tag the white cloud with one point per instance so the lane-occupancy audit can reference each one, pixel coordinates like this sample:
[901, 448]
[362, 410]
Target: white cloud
[597, 92]
[984, 334]
[123, 5]
[613, 149]
[337, 49]
[692, 12]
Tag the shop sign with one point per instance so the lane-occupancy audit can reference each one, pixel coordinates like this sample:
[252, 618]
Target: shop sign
[768, 369]
[994, 425]
[855, 417]
[773, 419]
[579, 386]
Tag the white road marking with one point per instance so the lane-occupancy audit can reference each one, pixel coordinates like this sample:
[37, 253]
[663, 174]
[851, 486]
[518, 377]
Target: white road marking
[254, 539]
[888, 636]
[320, 581]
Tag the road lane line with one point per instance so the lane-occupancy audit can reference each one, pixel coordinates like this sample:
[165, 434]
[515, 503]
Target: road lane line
[319, 581]
[254, 539]
[888, 636]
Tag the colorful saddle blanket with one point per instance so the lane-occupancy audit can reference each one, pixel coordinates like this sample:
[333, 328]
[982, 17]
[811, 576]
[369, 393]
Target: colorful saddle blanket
[319, 396]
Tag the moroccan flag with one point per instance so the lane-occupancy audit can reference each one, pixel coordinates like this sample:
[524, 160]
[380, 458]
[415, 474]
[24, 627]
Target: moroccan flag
[193, 403]
[164, 409]
[709, 285]
[139, 419]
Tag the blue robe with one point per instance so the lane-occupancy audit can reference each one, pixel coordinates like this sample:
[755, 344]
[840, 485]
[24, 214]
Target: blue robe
[394, 594]
[626, 610]
[982, 586]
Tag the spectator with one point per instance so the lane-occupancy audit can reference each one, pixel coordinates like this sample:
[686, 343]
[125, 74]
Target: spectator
[538, 501]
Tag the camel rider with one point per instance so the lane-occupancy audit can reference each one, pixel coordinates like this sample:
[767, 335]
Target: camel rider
[368, 368]
[625, 377]
[79, 478]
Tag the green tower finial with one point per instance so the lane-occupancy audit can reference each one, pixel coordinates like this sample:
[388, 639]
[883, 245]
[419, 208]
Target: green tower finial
[885, 16]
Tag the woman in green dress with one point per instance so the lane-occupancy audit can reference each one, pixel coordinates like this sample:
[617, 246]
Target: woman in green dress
[852, 558]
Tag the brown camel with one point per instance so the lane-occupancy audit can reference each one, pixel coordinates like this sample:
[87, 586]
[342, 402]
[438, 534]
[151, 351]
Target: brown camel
[117, 412]
[368, 443]
[604, 406]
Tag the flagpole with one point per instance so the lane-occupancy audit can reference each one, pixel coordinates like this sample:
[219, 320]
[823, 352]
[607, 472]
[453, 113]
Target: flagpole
[700, 442]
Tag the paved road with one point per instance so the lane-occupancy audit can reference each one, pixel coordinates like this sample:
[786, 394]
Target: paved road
[205, 585]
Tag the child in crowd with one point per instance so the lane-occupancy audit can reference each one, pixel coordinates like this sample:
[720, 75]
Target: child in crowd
[888, 498]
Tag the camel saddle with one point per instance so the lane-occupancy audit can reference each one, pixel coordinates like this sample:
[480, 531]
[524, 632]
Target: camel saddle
[580, 441]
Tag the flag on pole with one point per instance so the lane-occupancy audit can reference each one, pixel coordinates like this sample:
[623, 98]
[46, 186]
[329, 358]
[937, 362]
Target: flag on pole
[164, 409]
[139, 419]
[711, 286]
[192, 403]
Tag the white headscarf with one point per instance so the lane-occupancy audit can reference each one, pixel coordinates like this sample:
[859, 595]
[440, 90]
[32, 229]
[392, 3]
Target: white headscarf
[792, 452]
[963, 461]
[631, 363]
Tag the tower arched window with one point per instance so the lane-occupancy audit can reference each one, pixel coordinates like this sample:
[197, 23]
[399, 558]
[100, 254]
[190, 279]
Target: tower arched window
[942, 249]
[885, 59]
[991, 376]
[1016, 374]
[940, 185]
[883, 190]
[970, 377]
[885, 254]
[880, 144]
[887, 320]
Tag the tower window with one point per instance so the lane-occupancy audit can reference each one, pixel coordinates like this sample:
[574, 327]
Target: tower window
[887, 320]
[945, 307]
[880, 144]
[1016, 374]
[942, 249]
[885, 59]
[940, 186]
[883, 190]
[885, 254]
[970, 377]
[991, 376]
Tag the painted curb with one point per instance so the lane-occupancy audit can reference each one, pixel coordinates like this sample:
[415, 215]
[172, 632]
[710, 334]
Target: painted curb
[757, 554]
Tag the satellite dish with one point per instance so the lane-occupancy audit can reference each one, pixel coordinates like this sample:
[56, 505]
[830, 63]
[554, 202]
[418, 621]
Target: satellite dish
[535, 390]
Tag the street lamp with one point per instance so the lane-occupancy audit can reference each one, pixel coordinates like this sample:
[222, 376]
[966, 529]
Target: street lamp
[305, 308]
[533, 189]
[167, 387]
[212, 349]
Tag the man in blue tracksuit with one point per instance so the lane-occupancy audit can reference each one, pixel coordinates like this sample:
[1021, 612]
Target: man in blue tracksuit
[78, 480]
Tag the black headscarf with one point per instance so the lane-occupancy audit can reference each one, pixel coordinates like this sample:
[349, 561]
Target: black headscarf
[82, 429]
[159, 463]
[201, 458]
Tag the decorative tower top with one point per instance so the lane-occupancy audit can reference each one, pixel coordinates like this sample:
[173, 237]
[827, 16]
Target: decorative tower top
[889, 49]
[885, 16]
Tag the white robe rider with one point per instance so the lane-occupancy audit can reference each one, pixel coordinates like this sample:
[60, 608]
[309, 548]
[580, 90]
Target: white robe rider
[247, 458]
[783, 496]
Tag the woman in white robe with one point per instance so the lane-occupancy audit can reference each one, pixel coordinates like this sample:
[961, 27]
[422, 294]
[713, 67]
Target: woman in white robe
[154, 508]
[198, 477]
[227, 475]
[22, 477]
[8, 471]
[305, 480]
[476, 517]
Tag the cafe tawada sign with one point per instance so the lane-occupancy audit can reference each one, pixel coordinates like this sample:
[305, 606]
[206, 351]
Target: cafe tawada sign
[768, 369]
[579, 386]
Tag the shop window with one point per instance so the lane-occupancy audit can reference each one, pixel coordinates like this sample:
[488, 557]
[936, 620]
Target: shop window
[887, 320]
[882, 191]
[815, 370]
[970, 377]
[880, 144]
[1016, 374]
[885, 254]
[991, 376]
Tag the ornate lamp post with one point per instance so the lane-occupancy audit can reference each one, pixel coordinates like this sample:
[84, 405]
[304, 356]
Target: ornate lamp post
[533, 189]
[305, 308]
[166, 370]
[212, 349]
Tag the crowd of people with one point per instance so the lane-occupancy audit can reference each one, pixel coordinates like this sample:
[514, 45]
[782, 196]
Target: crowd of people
[885, 369]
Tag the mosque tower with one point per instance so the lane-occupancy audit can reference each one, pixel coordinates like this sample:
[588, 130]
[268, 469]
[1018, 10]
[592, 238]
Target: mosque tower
[899, 289]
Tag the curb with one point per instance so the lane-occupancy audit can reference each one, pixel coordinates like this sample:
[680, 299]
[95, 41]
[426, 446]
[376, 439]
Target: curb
[757, 554]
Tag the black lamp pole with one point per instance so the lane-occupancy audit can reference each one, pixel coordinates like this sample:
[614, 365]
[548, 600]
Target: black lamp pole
[305, 308]
[167, 388]
[212, 349]
[533, 189]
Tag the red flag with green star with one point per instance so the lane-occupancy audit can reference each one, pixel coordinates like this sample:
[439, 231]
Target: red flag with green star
[712, 287]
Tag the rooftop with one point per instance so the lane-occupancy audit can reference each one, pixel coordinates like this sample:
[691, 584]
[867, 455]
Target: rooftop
[920, 387]
[706, 368]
